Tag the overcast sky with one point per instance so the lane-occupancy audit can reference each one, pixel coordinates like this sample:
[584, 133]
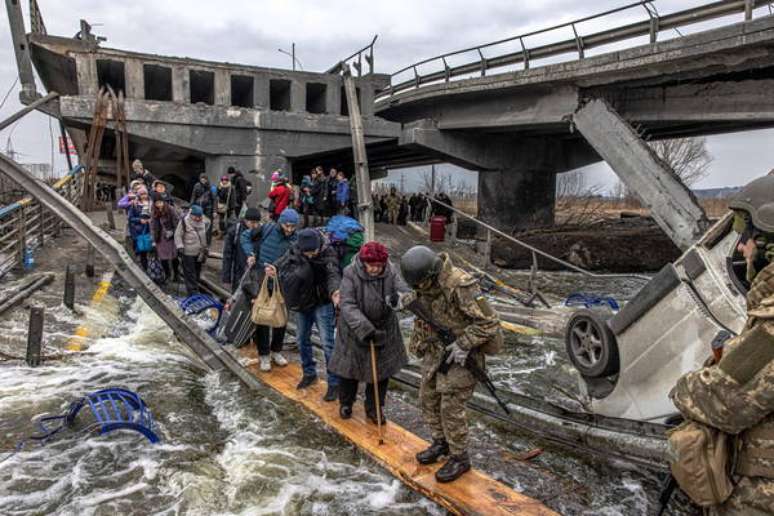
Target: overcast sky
[326, 31]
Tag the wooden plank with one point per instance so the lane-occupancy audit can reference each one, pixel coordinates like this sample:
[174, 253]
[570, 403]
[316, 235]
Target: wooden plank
[475, 493]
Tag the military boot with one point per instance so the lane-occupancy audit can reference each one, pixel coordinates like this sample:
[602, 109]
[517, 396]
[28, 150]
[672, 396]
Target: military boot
[438, 448]
[454, 468]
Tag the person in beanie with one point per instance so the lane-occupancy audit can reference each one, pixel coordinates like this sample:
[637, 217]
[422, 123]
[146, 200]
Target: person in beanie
[191, 244]
[204, 197]
[310, 283]
[274, 241]
[164, 221]
[366, 318]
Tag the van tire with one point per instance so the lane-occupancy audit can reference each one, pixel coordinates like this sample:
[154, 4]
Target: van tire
[591, 345]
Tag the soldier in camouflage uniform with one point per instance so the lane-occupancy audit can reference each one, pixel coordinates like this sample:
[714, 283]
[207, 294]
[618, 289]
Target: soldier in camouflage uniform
[455, 302]
[736, 396]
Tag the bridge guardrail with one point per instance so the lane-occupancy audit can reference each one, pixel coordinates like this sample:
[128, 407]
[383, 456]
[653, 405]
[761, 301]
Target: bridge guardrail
[652, 26]
[26, 224]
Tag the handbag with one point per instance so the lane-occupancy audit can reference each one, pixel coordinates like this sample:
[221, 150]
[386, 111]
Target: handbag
[143, 243]
[156, 271]
[269, 308]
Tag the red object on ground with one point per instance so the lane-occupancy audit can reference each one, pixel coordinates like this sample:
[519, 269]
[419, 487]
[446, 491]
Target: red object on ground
[437, 228]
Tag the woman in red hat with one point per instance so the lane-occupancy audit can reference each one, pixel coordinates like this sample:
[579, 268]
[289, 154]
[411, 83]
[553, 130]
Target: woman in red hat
[365, 318]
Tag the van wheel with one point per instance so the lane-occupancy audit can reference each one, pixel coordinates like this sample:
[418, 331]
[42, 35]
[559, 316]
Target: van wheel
[591, 345]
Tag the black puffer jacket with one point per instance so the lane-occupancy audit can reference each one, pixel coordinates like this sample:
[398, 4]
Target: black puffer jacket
[308, 282]
[363, 311]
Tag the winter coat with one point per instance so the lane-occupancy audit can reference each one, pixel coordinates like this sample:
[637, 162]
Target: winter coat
[281, 197]
[239, 184]
[332, 184]
[191, 236]
[234, 259]
[342, 192]
[363, 311]
[133, 215]
[320, 194]
[227, 197]
[203, 196]
[163, 232]
[146, 177]
[273, 243]
[308, 282]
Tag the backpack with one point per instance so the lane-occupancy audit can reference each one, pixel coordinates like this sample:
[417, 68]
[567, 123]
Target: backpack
[156, 271]
[340, 227]
[346, 236]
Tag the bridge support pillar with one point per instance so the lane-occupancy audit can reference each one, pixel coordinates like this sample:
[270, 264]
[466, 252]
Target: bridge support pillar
[518, 198]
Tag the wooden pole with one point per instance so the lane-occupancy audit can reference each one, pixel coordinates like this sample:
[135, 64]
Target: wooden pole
[69, 288]
[376, 393]
[111, 219]
[35, 336]
[365, 205]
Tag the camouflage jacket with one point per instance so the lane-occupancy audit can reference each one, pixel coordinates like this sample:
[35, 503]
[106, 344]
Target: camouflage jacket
[455, 302]
[737, 395]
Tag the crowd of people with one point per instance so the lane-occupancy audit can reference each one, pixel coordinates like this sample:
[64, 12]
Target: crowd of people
[396, 208]
[350, 291]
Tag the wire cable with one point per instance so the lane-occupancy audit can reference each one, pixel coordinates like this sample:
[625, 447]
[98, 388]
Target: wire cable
[9, 92]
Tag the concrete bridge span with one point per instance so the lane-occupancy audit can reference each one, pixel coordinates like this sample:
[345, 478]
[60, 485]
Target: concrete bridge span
[519, 128]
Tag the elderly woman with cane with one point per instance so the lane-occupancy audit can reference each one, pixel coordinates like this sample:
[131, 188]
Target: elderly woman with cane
[369, 346]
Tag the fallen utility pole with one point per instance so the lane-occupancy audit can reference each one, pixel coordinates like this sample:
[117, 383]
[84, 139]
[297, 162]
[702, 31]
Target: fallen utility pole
[364, 204]
[34, 105]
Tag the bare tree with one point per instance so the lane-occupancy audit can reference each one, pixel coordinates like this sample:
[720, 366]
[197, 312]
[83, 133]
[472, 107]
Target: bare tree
[688, 157]
[577, 203]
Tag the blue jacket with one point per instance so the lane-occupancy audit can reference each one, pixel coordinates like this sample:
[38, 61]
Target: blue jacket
[135, 226]
[274, 243]
[247, 243]
[342, 192]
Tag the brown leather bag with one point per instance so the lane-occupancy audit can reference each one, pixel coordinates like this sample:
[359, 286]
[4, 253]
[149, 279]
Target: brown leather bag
[701, 462]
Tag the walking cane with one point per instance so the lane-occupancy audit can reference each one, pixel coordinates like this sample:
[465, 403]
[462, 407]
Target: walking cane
[376, 392]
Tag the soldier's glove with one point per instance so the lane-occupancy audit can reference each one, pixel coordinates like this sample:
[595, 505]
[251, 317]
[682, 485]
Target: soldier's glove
[456, 354]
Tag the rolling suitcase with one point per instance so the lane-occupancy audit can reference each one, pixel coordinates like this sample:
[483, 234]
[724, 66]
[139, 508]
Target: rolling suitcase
[237, 327]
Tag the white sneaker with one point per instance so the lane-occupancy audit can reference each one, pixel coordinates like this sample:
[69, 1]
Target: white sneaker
[278, 359]
[265, 364]
[247, 362]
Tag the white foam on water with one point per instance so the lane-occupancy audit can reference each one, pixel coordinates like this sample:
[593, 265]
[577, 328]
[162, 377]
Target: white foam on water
[224, 449]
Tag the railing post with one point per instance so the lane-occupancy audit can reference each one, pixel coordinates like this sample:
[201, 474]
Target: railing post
[578, 42]
[90, 262]
[35, 335]
[748, 10]
[42, 225]
[526, 54]
[488, 250]
[22, 235]
[69, 288]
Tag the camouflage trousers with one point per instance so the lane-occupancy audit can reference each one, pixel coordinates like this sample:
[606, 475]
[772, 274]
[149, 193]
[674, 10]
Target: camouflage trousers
[752, 496]
[445, 413]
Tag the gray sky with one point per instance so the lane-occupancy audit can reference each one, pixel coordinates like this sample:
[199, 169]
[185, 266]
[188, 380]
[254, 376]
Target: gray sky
[325, 31]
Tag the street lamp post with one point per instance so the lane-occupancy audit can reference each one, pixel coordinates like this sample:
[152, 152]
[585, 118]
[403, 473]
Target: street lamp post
[292, 55]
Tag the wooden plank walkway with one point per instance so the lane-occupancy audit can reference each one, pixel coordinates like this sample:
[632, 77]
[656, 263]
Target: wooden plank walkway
[474, 493]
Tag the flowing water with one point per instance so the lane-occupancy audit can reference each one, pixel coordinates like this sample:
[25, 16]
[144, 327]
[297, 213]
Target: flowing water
[229, 450]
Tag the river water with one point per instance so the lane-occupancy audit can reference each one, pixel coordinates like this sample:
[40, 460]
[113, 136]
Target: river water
[229, 450]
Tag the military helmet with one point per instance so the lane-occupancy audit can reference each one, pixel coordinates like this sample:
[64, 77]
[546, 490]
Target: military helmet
[419, 263]
[757, 199]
